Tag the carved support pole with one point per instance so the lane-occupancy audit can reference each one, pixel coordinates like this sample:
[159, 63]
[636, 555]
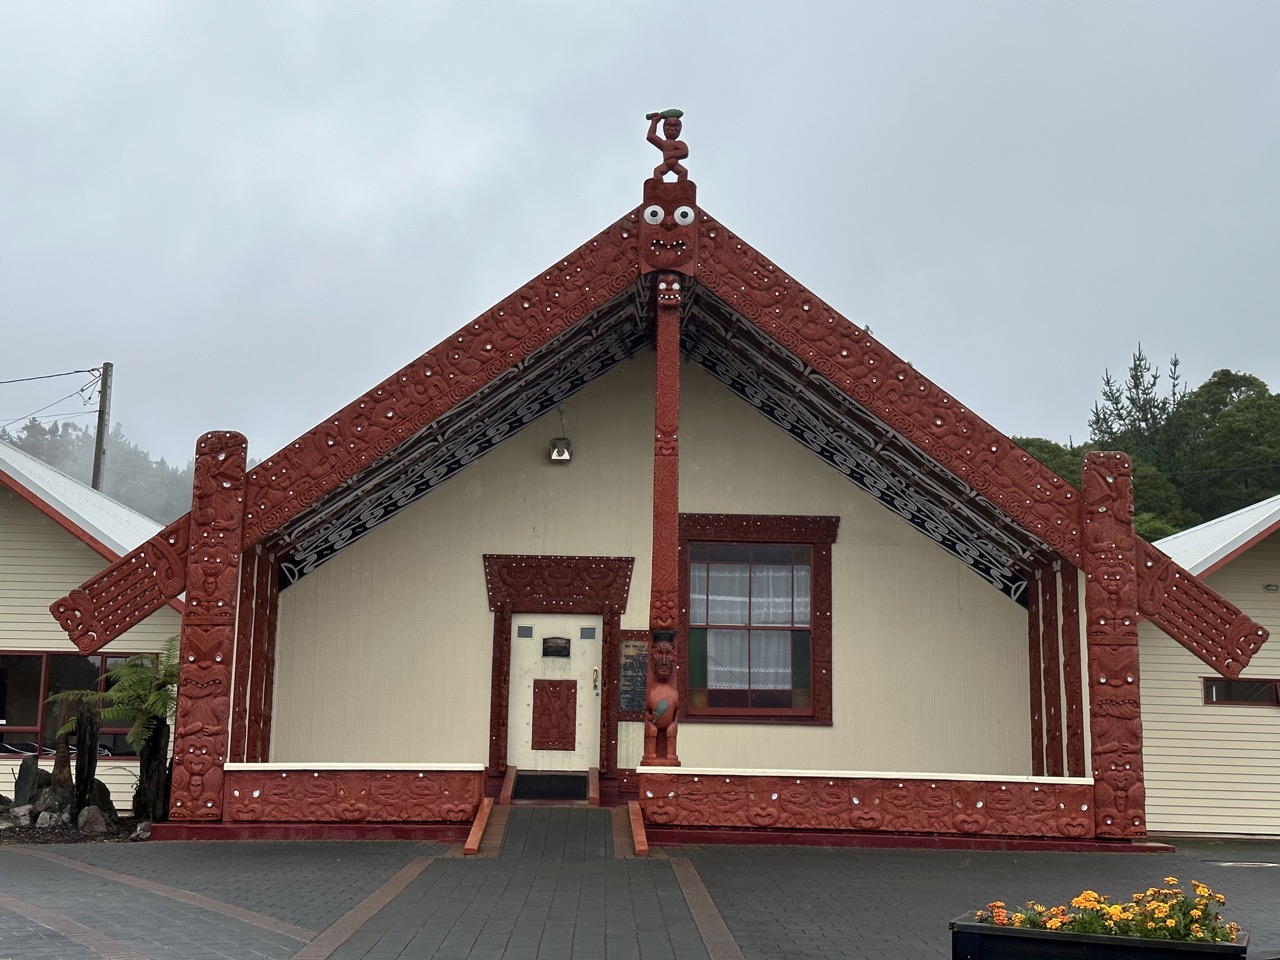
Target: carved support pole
[1071, 682]
[1052, 666]
[1109, 558]
[1034, 677]
[664, 596]
[201, 729]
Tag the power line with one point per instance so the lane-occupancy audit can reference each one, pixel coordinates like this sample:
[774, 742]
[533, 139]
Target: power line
[64, 415]
[51, 376]
[76, 393]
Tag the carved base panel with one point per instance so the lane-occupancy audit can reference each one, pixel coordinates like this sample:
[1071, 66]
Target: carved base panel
[974, 808]
[352, 796]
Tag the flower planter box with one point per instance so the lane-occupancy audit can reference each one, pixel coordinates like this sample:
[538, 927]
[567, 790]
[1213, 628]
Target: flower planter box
[985, 941]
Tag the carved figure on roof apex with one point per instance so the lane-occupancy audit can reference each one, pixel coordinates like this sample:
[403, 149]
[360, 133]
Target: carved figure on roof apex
[673, 148]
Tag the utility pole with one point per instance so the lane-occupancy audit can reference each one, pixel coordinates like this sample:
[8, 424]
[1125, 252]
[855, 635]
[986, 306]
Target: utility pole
[104, 425]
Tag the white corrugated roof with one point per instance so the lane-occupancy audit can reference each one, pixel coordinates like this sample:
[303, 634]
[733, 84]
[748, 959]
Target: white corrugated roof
[117, 527]
[1203, 548]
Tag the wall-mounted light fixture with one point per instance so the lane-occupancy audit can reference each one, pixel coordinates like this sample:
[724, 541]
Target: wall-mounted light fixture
[561, 450]
[1271, 587]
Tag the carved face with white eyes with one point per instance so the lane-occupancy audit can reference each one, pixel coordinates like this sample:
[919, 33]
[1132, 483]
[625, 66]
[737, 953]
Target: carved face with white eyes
[668, 225]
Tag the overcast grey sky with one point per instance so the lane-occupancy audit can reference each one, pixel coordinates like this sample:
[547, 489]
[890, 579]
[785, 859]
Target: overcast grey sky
[259, 210]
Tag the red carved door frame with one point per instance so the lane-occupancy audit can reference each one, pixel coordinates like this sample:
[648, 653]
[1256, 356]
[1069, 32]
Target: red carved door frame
[550, 584]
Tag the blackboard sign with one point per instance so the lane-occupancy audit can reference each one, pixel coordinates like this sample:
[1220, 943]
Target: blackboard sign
[634, 674]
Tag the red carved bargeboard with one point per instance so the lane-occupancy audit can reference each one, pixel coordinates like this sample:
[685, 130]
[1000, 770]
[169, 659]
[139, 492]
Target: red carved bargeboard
[555, 714]
[352, 796]
[979, 808]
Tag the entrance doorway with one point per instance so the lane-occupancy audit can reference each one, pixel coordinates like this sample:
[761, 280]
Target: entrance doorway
[553, 721]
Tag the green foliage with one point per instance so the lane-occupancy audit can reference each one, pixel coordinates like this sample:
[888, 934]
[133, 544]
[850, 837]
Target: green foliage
[141, 693]
[151, 487]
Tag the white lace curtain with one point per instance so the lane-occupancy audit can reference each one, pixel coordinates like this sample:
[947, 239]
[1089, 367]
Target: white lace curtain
[742, 595]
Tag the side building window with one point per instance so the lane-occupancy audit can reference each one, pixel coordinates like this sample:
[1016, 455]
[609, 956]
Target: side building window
[756, 618]
[1218, 690]
[29, 725]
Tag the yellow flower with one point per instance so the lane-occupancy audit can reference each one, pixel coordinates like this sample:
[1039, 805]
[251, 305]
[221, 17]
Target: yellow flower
[1170, 879]
[1171, 922]
[1197, 914]
[1151, 924]
[1017, 919]
[1053, 923]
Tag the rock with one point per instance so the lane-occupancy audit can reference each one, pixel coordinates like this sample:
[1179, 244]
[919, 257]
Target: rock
[53, 799]
[25, 788]
[142, 831]
[7, 825]
[5, 801]
[48, 819]
[100, 797]
[92, 822]
[23, 815]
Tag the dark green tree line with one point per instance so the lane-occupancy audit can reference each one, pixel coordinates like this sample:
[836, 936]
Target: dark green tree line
[1197, 454]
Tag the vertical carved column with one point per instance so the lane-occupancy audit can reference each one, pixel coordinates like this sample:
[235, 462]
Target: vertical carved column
[664, 596]
[1072, 685]
[1034, 676]
[1109, 556]
[209, 627]
[262, 689]
[1052, 672]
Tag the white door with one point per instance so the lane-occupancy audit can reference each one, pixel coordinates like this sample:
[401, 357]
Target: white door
[554, 705]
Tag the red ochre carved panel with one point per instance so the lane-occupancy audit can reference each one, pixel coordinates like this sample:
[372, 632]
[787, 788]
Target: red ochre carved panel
[373, 796]
[555, 714]
[976, 808]
[128, 591]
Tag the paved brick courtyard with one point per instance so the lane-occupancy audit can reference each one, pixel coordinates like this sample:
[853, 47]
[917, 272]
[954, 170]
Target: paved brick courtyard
[560, 884]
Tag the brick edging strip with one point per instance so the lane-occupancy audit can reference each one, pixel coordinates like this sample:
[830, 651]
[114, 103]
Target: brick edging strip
[711, 926]
[341, 930]
[78, 932]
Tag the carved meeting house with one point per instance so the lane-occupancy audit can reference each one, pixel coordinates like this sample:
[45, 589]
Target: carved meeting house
[665, 514]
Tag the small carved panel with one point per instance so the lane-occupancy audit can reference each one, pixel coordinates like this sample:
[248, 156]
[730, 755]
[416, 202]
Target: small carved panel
[555, 714]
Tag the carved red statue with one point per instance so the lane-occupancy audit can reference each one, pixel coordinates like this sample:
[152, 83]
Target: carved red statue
[662, 705]
[673, 148]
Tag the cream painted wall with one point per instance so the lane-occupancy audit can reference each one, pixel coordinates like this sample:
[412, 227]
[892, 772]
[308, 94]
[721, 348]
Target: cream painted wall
[387, 648]
[40, 562]
[929, 662]
[1214, 768]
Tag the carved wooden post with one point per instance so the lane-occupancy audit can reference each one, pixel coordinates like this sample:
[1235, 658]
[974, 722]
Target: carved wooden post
[208, 627]
[1109, 555]
[1051, 663]
[668, 242]
[662, 702]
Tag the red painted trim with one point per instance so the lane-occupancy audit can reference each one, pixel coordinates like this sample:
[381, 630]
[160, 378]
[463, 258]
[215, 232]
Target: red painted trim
[269, 586]
[1071, 679]
[679, 836]
[508, 786]
[550, 584]
[639, 837]
[476, 836]
[819, 533]
[430, 832]
[244, 644]
[1034, 671]
[870, 804]
[1243, 548]
[1052, 687]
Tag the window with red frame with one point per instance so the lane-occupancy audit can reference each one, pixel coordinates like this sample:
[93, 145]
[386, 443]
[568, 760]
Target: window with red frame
[757, 616]
[28, 724]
